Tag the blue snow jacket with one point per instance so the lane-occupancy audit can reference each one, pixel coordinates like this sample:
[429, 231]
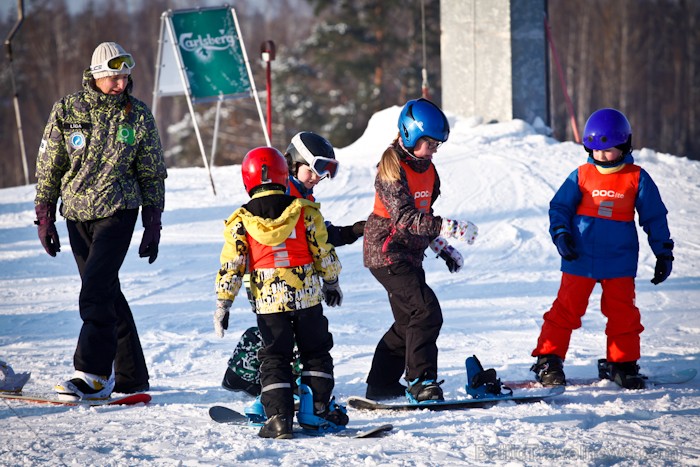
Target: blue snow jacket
[609, 248]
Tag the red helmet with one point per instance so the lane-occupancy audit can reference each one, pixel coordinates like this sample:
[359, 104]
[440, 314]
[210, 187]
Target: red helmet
[264, 166]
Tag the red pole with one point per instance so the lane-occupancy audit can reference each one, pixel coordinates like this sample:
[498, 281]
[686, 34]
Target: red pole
[425, 88]
[269, 101]
[267, 51]
[562, 81]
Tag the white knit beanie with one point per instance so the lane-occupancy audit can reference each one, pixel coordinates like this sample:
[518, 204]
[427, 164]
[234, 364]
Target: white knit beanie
[107, 51]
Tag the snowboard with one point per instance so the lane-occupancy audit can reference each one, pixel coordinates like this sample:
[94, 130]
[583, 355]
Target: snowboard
[362, 403]
[222, 414]
[131, 399]
[661, 379]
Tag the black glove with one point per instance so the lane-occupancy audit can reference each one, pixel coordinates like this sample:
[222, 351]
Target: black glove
[332, 293]
[565, 246]
[46, 220]
[664, 265]
[452, 257]
[151, 233]
[349, 233]
[358, 228]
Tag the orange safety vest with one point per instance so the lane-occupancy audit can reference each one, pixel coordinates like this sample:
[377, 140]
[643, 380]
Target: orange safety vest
[294, 191]
[608, 197]
[294, 251]
[420, 185]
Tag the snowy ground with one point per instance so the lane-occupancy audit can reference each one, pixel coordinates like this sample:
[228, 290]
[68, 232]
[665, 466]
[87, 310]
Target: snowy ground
[499, 176]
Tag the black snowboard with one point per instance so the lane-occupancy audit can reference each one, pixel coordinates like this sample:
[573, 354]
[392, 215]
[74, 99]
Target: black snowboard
[222, 414]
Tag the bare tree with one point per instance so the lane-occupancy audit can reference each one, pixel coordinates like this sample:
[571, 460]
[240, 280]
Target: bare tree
[636, 55]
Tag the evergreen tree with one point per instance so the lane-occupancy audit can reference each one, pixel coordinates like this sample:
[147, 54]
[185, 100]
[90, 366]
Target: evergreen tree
[361, 56]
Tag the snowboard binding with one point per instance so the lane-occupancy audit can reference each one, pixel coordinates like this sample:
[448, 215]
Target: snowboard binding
[256, 413]
[313, 423]
[483, 383]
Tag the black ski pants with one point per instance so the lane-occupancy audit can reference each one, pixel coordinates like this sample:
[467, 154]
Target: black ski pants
[279, 331]
[410, 344]
[108, 334]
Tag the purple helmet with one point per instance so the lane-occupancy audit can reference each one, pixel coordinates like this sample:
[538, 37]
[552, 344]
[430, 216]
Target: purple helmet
[607, 128]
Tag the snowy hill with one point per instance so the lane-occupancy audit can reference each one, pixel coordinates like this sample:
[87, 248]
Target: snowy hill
[499, 176]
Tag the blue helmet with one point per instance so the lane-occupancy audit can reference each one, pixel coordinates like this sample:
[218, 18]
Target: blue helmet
[420, 118]
[607, 128]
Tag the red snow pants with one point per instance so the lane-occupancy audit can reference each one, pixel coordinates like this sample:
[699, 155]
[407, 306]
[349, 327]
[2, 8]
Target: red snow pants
[617, 304]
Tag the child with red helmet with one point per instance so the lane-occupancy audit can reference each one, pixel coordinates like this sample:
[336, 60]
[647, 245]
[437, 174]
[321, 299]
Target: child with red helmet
[592, 225]
[310, 159]
[283, 242]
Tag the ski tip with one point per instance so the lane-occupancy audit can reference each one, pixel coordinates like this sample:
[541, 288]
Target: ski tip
[375, 432]
[65, 397]
[131, 399]
[556, 390]
[357, 402]
[360, 398]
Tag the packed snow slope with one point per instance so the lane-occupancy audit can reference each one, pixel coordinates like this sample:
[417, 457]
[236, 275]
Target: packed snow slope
[499, 176]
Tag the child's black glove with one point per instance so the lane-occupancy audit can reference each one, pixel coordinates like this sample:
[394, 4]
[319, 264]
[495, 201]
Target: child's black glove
[358, 228]
[332, 293]
[664, 265]
[565, 246]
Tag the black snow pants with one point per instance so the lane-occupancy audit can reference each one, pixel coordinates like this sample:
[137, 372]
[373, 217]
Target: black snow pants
[108, 334]
[309, 329]
[410, 344]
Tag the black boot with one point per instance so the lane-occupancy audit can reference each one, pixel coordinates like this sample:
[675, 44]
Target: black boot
[334, 413]
[626, 374]
[424, 390]
[389, 391]
[549, 370]
[131, 388]
[279, 426]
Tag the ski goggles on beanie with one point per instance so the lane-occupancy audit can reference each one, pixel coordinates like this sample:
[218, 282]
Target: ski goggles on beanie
[115, 64]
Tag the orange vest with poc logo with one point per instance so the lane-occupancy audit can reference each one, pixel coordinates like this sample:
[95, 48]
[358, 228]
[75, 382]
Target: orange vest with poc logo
[293, 251]
[419, 184]
[610, 196]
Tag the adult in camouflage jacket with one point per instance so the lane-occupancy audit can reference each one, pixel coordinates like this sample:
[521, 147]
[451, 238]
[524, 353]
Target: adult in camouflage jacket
[101, 155]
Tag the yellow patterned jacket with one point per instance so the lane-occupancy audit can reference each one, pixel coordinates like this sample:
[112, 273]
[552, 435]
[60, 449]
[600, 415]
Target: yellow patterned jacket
[279, 289]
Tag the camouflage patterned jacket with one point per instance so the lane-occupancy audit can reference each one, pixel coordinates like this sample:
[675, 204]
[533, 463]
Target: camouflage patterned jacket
[276, 290]
[100, 154]
[404, 236]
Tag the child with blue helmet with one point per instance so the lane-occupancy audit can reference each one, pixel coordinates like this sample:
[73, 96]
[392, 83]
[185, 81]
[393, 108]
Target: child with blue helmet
[592, 225]
[399, 229]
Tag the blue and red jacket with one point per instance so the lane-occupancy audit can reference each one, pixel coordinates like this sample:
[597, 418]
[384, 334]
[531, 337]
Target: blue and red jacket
[597, 206]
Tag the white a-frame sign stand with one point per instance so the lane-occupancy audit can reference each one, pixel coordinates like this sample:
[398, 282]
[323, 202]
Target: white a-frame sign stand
[201, 55]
